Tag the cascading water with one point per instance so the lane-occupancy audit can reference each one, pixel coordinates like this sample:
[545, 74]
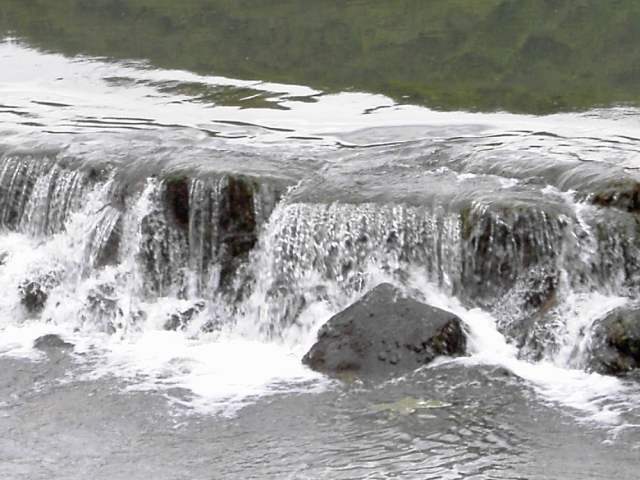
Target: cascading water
[37, 194]
[183, 257]
[202, 260]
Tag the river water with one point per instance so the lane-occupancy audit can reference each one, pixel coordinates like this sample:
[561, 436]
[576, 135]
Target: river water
[188, 326]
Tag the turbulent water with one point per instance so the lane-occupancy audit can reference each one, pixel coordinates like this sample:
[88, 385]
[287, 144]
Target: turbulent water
[189, 251]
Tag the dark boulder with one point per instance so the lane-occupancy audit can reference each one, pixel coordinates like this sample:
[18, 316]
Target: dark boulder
[33, 295]
[615, 342]
[51, 342]
[179, 320]
[34, 292]
[385, 333]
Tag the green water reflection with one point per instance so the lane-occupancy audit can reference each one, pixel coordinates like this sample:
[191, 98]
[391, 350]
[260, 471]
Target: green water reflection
[536, 56]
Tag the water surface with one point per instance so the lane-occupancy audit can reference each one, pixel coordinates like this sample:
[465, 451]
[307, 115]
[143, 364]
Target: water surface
[359, 143]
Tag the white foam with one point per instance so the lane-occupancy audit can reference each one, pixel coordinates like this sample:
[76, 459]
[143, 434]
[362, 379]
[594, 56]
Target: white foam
[591, 394]
[220, 375]
[593, 397]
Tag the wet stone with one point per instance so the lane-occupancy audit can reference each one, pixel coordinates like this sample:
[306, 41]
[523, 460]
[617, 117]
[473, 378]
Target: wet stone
[625, 196]
[615, 342]
[35, 293]
[503, 243]
[180, 320]
[103, 309]
[238, 225]
[51, 342]
[109, 250]
[33, 296]
[385, 333]
[525, 312]
[284, 307]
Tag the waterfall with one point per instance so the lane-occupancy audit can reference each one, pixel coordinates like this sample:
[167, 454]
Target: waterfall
[230, 239]
[212, 255]
[37, 193]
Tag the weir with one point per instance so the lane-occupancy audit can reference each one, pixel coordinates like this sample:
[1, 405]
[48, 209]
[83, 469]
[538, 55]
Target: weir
[228, 247]
[332, 240]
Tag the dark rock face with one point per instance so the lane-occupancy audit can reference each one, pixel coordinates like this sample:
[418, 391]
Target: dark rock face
[385, 333]
[503, 243]
[199, 222]
[177, 198]
[625, 196]
[615, 344]
[237, 224]
[51, 342]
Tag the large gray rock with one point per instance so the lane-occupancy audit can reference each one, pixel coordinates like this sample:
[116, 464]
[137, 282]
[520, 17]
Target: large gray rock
[385, 333]
[615, 342]
[51, 342]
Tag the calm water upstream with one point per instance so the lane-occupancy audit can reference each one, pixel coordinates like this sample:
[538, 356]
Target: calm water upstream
[189, 190]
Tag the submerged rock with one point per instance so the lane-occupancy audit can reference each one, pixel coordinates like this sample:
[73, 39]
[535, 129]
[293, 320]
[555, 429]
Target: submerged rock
[408, 406]
[385, 332]
[51, 342]
[615, 342]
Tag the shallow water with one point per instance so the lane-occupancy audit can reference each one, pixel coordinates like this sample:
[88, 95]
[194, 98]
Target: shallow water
[491, 426]
[347, 190]
[526, 56]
